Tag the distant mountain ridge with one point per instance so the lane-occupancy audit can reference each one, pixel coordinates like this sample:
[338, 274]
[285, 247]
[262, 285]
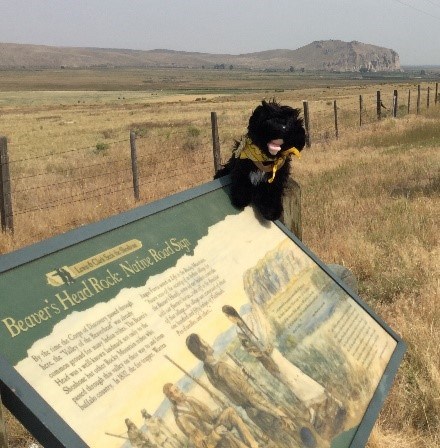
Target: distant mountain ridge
[327, 55]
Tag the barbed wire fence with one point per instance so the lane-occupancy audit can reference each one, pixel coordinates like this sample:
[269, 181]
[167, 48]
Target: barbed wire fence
[67, 178]
[149, 167]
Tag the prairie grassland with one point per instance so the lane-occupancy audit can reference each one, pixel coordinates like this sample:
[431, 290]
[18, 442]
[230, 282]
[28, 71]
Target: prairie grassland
[183, 79]
[372, 203]
[370, 200]
[69, 150]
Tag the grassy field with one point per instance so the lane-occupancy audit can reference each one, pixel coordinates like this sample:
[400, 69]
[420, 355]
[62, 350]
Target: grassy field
[370, 200]
[372, 204]
[187, 80]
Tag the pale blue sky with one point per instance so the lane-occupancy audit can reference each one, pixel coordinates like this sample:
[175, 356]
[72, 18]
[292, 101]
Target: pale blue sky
[410, 27]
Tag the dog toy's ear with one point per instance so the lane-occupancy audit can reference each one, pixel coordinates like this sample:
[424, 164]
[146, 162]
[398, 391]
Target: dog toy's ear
[259, 115]
[270, 107]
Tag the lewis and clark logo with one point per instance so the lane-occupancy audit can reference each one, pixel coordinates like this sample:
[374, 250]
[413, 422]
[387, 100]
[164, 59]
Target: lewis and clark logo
[66, 275]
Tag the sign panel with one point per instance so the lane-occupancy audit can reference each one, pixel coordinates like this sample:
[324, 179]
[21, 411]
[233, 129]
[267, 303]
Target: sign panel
[186, 321]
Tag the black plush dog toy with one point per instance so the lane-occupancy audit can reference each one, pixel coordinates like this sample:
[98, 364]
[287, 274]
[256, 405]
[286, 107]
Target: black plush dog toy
[259, 166]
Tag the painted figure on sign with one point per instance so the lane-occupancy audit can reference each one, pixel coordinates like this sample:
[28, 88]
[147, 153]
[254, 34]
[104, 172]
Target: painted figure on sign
[257, 338]
[206, 428]
[229, 380]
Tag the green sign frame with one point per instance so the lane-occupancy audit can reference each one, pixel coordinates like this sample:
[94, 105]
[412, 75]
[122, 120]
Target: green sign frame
[86, 315]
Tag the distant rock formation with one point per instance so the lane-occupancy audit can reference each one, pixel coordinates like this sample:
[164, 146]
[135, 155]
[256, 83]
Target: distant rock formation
[272, 274]
[326, 55]
[336, 55]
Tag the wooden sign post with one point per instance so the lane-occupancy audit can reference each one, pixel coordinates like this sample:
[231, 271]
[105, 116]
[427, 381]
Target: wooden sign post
[3, 436]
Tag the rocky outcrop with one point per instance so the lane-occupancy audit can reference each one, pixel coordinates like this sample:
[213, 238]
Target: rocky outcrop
[272, 274]
[336, 55]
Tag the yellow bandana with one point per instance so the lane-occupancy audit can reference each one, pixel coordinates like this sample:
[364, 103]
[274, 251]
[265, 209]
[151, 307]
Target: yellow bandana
[248, 150]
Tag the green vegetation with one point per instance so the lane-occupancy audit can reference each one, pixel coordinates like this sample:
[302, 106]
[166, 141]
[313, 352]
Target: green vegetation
[102, 147]
[154, 81]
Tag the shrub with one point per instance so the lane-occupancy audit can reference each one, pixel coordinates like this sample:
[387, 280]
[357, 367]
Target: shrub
[141, 130]
[193, 131]
[101, 147]
[192, 138]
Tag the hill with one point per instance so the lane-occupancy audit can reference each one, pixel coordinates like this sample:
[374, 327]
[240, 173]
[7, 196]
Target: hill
[328, 55]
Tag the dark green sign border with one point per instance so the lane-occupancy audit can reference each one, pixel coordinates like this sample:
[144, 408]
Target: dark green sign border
[49, 428]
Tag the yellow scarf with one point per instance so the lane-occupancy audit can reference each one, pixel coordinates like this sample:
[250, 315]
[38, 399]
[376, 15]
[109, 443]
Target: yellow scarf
[248, 150]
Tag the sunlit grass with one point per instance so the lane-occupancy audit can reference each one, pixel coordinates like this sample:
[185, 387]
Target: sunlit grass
[372, 203]
[371, 200]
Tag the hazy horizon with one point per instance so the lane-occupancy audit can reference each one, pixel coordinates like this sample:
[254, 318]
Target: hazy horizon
[204, 52]
[409, 27]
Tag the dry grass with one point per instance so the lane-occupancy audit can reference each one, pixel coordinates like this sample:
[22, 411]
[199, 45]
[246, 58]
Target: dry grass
[376, 209]
[370, 202]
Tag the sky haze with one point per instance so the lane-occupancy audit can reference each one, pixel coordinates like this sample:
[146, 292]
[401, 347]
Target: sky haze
[410, 27]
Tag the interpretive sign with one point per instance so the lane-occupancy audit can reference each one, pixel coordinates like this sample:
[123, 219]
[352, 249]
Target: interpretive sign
[188, 323]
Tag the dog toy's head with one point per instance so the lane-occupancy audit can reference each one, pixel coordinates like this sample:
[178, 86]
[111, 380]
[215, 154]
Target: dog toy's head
[274, 128]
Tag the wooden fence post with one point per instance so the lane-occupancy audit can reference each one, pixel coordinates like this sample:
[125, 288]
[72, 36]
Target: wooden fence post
[307, 123]
[427, 98]
[360, 110]
[3, 437]
[134, 166]
[378, 105]
[395, 104]
[418, 99]
[215, 142]
[7, 220]
[292, 208]
[436, 93]
[409, 100]
[335, 109]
